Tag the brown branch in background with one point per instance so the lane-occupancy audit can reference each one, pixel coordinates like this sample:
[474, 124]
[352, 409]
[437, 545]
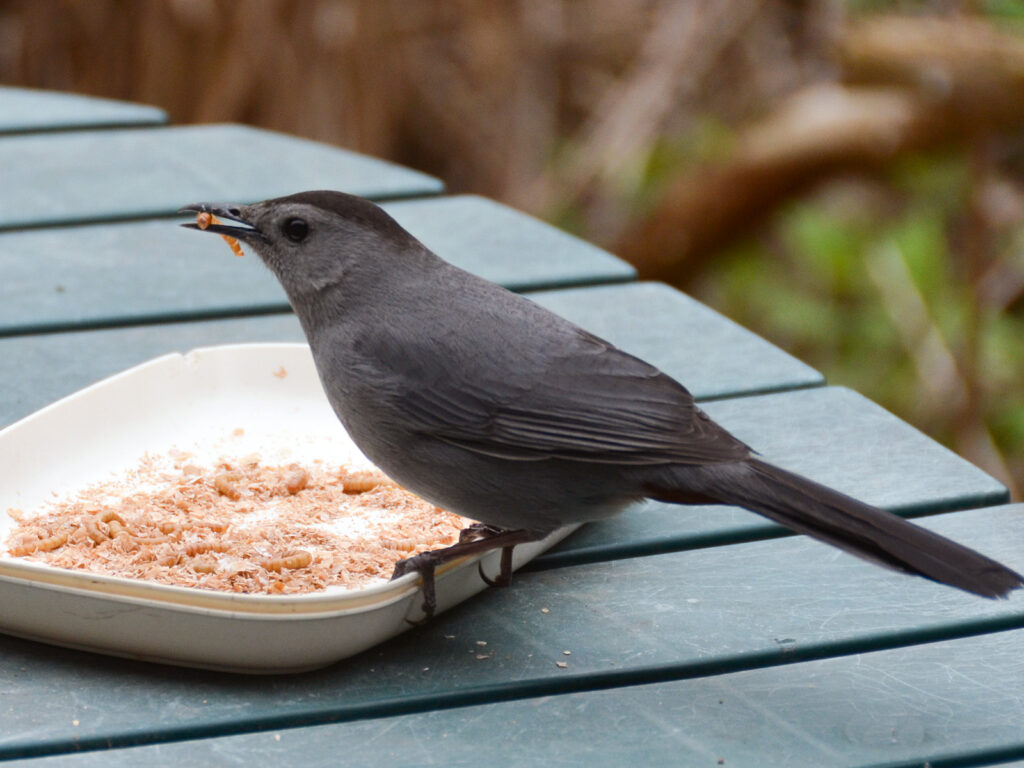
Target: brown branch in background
[970, 65]
[947, 79]
[820, 131]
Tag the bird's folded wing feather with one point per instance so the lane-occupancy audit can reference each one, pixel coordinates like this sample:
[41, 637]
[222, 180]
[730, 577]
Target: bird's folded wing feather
[594, 403]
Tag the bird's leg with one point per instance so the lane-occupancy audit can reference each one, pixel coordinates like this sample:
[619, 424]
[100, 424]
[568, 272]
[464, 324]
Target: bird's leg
[482, 530]
[481, 539]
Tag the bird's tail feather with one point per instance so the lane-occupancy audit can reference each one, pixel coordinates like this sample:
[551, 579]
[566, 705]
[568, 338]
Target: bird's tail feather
[868, 532]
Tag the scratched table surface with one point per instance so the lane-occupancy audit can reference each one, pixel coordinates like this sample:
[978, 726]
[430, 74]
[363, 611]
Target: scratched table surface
[700, 636]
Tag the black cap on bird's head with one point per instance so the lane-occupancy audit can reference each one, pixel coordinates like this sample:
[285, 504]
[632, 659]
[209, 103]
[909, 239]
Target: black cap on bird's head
[308, 239]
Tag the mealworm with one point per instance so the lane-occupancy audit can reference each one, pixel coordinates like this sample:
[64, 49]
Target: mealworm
[202, 547]
[213, 525]
[92, 530]
[403, 545]
[359, 482]
[296, 558]
[115, 523]
[42, 545]
[110, 515]
[204, 220]
[225, 485]
[151, 539]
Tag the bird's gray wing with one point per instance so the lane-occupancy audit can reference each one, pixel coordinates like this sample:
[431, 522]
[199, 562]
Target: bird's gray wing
[588, 402]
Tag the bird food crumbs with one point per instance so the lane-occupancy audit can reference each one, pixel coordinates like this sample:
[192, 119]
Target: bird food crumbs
[238, 432]
[238, 525]
[204, 220]
[482, 656]
[567, 653]
[296, 480]
[545, 610]
[281, 372]
[481, 642]
[277, 737]
[562, 664]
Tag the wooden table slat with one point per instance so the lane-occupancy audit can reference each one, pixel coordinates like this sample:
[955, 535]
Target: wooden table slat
[951, 703]
[83, 176]
[131, 272]
[24, 110]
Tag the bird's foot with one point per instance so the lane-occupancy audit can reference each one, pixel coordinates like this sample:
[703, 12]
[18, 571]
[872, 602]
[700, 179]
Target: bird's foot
[424, 564]
[474, 540]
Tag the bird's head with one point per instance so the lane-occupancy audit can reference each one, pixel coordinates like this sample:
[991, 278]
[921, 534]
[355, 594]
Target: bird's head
[311, 240]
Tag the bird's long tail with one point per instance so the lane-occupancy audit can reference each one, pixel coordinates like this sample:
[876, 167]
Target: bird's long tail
[868, 532]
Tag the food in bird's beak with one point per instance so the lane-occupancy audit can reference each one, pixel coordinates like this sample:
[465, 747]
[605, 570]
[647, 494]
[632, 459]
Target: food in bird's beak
[203, 220]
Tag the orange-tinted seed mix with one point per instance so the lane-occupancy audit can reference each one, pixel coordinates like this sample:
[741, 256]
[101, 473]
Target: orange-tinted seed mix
[238, 526]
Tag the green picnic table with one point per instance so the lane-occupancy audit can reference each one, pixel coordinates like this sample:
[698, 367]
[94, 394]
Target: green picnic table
[697, 636]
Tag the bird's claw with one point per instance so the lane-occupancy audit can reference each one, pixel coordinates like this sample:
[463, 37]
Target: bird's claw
[504, 577]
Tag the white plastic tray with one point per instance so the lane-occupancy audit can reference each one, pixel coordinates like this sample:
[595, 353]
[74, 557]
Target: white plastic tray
[187, 402]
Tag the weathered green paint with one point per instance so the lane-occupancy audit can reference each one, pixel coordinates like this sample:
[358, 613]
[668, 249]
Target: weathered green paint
[82, 176]
[24, 110]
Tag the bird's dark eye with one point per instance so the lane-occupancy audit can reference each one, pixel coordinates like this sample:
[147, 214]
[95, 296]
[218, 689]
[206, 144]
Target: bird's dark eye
[295, 229]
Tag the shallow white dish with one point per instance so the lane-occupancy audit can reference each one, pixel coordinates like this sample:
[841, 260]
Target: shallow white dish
[189, 401]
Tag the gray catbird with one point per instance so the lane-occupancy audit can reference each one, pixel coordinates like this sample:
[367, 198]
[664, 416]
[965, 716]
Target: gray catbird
[486, 404]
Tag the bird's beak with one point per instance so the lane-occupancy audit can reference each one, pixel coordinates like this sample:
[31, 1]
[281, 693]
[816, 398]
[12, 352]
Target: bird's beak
[246, 233]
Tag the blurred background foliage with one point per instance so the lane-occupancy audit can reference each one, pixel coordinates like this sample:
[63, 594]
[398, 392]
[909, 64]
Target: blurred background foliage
[844, 178]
